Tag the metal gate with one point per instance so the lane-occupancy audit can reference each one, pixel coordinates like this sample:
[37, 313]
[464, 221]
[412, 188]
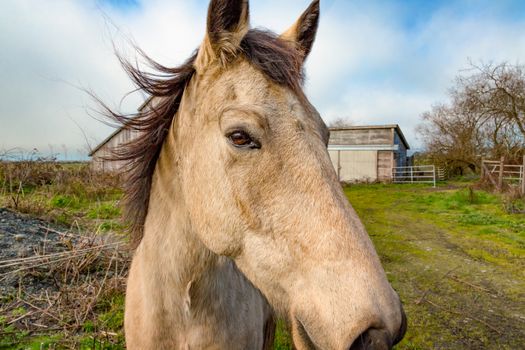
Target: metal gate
[414, 174]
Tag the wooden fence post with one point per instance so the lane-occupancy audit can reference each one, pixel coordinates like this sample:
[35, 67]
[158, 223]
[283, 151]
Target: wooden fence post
[482, 175]
[500, 175]
[523, 177]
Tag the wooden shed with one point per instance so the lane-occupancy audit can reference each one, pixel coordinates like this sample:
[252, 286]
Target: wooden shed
[122, 135]
[367, 153]
[100, 153]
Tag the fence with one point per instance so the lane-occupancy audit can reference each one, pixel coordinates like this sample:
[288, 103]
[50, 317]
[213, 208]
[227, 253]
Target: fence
[414, 174]
[499, 173]
[441, 173]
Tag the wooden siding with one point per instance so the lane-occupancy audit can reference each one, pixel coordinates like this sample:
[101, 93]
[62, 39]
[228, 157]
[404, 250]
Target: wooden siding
[361, 137]
[98, 162]
[384, 165]
[334, 157]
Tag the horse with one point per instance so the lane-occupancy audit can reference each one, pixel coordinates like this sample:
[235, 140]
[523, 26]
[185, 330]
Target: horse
[235, 207]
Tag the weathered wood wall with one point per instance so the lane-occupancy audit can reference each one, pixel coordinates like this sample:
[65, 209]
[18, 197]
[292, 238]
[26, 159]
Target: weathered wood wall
[384, 165]
[99, 163]
[361, 137]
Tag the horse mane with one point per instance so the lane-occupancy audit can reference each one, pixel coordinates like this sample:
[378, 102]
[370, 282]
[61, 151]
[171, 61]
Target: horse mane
[280, 61]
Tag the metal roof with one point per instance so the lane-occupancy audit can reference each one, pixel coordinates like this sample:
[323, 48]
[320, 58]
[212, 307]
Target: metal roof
[106, 140]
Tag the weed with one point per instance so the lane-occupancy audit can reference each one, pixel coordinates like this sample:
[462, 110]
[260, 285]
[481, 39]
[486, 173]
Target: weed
[104, 211]
[111, 312]
[478, 219]
[68, 194]
[282, 337]
[64, 201]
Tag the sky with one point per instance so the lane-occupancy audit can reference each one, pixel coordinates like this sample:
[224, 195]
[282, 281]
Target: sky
[373, 62]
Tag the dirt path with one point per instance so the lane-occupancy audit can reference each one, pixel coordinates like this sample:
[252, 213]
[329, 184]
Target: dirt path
[473, 303]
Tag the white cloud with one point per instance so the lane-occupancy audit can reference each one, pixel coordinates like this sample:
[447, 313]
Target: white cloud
[366, 64]
[51, 48]
[415, 68]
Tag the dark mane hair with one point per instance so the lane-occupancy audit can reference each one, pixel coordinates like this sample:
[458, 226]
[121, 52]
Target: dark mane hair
[277, 59]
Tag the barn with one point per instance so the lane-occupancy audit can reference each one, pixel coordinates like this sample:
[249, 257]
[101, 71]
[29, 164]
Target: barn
[358, 153]
[100, 153]
[367, 153]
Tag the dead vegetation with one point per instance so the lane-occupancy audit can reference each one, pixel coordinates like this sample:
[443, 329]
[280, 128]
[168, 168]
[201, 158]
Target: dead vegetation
[62, 285]
[64, 292]
[483, 118]
[64, 193]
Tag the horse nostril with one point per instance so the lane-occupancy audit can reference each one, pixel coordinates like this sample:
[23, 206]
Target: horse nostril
[372, 339]
[402, 328]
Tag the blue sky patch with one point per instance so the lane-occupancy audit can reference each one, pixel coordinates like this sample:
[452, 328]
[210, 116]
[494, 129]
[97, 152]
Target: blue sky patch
[123, 5]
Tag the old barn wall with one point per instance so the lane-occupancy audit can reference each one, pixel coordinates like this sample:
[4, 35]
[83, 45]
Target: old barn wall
[365, 136]
[99, 163]
[384, 165]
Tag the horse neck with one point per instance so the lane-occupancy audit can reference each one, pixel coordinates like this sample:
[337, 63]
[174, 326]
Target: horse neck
[181, 270]
[169, 240]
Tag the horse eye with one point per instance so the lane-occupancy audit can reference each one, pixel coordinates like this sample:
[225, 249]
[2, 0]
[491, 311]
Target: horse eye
[242, 139]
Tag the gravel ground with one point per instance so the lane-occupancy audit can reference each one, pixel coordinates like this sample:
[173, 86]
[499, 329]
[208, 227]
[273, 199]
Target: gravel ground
[22, 236]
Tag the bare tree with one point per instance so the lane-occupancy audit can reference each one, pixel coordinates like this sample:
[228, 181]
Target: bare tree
[340, 123]
[485, 117]
[495, 92]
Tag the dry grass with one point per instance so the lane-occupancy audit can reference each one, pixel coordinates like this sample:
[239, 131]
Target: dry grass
[72, 297]
[77, 282]
[66, 193]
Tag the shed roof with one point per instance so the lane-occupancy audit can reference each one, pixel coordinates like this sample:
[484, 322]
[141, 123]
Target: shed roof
[114, 133]
[106, 140]
[365, 127]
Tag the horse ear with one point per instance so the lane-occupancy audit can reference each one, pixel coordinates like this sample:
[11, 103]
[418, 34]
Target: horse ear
[302, 32]
[227, 23]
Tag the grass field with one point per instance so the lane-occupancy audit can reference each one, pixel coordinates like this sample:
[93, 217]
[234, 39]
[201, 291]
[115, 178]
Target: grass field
[457, 260]
[454, 254]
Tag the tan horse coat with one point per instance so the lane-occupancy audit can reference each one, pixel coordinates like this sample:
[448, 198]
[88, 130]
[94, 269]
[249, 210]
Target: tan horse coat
[245, 210]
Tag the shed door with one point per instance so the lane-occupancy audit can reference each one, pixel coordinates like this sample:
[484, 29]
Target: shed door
[358, 165]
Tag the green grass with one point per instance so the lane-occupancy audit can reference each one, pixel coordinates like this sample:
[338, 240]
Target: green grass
[68, 194]
[462, 251]
[454, 255]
